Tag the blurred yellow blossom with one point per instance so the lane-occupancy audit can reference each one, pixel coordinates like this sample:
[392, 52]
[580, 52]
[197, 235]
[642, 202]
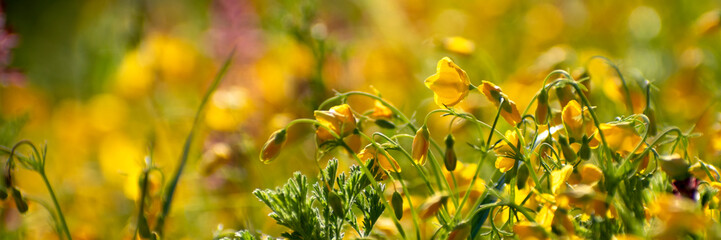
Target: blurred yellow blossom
[449, 84]
[508, 110]
[459, 45]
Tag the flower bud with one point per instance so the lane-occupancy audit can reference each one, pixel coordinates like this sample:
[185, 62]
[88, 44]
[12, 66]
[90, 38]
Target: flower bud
[421, 143]
[385, 124]
[450, 158]
[585, 151]
[272, 147]
[20, 203]
[522, 175]
[542, 107]
[397, 202]
[567, 151]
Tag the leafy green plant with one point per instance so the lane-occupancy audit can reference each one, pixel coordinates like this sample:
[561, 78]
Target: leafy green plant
[321, 210]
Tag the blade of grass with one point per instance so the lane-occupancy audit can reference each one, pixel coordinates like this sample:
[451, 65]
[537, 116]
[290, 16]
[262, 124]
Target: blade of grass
[168, 198]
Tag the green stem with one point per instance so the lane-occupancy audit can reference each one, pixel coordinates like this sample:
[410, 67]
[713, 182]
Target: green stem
[629, 104]
[57, 206]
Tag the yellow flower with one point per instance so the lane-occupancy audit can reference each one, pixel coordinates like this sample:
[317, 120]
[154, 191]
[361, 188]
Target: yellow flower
[431, 206]
[272, 147]
[590, 174]
[620, 137]
[576, 121]
[699, 172]
[559, 177]
[387, 163]
[504, 164]
[503, 149]
[677, 215]
[529, 231]
[227, 108]
[509, 111]
[459, 45]
[449, 84]
[339, 119]
[380, 111]
[421, 143]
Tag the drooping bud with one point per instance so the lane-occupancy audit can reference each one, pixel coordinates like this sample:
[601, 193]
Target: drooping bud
[272, 147]
[567, 151]
[542, 107]
[397, 202]
[421, 143]
[585, 151]
[450, 159]
[522, 175]
[20, 203]
[336, 204]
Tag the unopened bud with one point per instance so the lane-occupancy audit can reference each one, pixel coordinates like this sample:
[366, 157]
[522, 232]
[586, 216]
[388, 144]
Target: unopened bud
[564, 94]
[585, 151]
[397, 202]
[450, 159]
[542, 107]
[421, 143]
[567, 151]
[272, 147]
[20, 203]
[385, 124]
[674, 166]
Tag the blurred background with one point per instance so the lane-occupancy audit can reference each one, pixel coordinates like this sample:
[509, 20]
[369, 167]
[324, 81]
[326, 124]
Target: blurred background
[102, 81]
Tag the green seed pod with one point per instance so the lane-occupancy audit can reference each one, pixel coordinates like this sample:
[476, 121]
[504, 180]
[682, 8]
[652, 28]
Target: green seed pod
[397, 202]
[450, 159]
[20, 203]
[585, 151]
[336, 204]
[385, 124]
[522, 175]
[567, 151]
[542, 107]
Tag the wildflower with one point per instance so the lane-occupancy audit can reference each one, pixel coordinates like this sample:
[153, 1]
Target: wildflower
[339, 119]
[620, 137]
[559, 177]
[459, 45]
[509, 111]
[431, 206]
[590, 174]
[503, 148]
[449, 84]
[226, 108]
[542, 107]
[421, 143]
[387, 163]
[699, 171]
[677, 216]
[380, 111]
[272, 147]
[708, 22]
[504, 164]
[577, 121]
[529, 230]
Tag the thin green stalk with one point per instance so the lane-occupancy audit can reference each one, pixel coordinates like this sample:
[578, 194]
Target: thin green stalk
[57, 206]
[168, 198]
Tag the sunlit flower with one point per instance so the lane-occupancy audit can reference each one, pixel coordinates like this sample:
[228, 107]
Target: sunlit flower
[272, 147]
[339, 119]
[387, 163]
[504, 164]
[576, 121]
[559, 177]
[459, 45]
[677, 216]
[380, 111]
[503, 148]
[449, 84]
[493, 93]
[590, 173]
[529, 230]
[620, 137]
[226, 109]
[432, 205]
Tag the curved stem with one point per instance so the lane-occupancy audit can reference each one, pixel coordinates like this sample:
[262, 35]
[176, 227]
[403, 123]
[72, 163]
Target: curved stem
[57, 206]
[629, 104]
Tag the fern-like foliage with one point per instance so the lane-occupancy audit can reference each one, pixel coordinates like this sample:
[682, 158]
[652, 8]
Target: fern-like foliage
[322, 211]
